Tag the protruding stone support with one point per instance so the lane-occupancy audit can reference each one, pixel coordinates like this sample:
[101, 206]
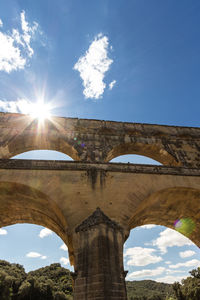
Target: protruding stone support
[98, 250]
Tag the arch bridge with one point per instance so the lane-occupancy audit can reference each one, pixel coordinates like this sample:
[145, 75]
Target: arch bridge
[93, 204]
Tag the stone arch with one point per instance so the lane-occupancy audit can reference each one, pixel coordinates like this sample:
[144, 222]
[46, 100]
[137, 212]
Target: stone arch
[154, 151]
[166, 206]
[20, 203]
[25, 134]
[26, 144]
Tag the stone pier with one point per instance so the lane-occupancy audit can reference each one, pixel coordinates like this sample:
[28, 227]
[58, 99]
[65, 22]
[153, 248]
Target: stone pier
[98, 256]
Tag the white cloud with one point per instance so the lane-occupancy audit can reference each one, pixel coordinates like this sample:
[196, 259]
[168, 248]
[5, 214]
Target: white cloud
[33, 254]
[139, 256]
[43, 257]
[146, 244]
[145, 273]
[15, 47]
[170, 238]
[187, 253]
[149, 226]
[168, 262]
[169, 271]
[93, 66]
[1, 23]
[36, 255]
[111, 85]
[189, 263]
[3, 231]
[170, 278]
[38, 109]
[10, 55]
[28, 32]
[63, 247]
[18, 106]
[64, 260]
[44, 232]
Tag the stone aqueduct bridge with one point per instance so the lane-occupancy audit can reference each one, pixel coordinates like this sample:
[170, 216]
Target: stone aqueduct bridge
[93, 204]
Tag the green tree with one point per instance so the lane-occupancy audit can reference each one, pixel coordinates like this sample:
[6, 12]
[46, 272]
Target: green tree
[189, 289]
[5, 286]
[49, 283]
[178, 291]
[195, 273]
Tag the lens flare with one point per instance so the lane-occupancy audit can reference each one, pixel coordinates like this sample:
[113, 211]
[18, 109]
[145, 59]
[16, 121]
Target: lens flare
[185, 226]
[40, 110]
[79, 142]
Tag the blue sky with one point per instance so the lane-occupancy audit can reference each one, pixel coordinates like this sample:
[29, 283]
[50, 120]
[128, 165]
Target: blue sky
[135, 61]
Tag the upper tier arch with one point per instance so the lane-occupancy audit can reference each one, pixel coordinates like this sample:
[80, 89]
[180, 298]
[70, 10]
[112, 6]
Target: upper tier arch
[153, 151]
[99, 141]
[22, 133]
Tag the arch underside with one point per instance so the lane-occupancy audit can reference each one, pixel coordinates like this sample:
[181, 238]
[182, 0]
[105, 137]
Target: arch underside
[166, 206]
[17, 147]
[153, 151]
[27, 134]
[23, 204]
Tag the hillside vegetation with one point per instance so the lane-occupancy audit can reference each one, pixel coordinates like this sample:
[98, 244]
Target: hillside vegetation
[54, 283]
[149, 290]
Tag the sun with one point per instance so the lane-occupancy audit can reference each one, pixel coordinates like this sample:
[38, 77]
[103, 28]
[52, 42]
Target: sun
[40, 110]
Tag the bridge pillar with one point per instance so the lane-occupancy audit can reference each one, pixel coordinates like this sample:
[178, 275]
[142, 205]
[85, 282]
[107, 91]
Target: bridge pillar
[98, 252]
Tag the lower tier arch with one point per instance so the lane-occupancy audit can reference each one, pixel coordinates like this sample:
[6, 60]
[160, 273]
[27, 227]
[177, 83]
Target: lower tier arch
[168, 206]
[23, 204]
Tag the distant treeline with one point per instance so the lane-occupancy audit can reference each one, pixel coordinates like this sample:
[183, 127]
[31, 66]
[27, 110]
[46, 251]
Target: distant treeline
[149, 290]
[54, 283]
[189, 289]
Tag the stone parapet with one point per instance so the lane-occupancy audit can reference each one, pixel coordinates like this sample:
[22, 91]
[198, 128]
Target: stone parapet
[100, 141]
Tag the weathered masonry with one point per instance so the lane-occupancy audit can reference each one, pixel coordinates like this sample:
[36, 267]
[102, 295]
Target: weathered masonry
[93, 204]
